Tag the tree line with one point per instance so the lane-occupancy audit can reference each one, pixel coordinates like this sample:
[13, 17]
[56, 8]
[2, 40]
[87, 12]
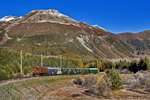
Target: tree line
[10, 63]
[133, 66]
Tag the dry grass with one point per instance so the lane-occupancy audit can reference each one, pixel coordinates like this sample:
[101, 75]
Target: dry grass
[62, 88]
[31, 87]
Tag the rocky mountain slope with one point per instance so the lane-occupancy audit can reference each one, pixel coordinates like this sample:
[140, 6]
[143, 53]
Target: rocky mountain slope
[51, 33]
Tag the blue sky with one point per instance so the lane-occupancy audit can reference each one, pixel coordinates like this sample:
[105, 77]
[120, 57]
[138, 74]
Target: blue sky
[114, 15]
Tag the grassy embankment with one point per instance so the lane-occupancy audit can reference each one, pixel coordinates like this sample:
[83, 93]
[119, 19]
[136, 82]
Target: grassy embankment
[15, 90]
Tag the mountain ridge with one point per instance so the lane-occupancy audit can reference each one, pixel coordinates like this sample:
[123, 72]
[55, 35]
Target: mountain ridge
[50, 32]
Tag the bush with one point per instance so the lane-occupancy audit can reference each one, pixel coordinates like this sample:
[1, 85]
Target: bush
[89, 80]
[86, 81]
[135, 83]
[127, 79]
[133, 67]
[141, 77]
[147, 84]
[3, 75]
[143, 64]
[115, 80]
[100, 88]
[103, 88]
[78, 81]
[147, 80]
[140, 80]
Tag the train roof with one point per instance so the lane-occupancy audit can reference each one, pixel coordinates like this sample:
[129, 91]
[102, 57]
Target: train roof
[65, 68]
[81, 68]
[53, 68]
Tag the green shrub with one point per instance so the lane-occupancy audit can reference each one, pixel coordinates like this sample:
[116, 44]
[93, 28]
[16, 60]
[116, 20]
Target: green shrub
[143, 64]
[115, 80]
[3, 75]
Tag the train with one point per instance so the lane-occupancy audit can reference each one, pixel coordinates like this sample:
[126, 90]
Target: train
[50, 71]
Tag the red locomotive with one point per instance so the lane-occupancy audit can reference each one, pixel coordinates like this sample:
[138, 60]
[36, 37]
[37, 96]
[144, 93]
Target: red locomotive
[40, 71]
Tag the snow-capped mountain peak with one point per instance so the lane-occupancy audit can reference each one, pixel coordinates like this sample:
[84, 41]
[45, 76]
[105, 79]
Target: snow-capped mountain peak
[8, 18]
[97, 26]
[50, 11]
[51, 15]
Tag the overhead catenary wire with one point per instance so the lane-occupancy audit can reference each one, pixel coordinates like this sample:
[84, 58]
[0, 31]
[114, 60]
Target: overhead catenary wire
[21, 58]
[42, 57]
[24, 34]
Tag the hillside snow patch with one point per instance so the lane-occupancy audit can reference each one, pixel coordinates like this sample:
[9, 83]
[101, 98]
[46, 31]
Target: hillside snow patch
[83, 42]
[7, 18]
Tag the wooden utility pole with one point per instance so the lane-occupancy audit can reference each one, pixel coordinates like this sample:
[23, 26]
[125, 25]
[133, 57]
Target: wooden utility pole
[60, 62]
[21, 70]
[41, 60]
[97, 65]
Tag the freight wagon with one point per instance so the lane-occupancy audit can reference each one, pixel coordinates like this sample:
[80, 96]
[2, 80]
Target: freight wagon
[49, 71]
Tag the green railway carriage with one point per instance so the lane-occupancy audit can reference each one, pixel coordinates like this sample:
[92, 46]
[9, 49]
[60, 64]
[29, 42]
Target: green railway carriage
[93, 70]
[75, 71]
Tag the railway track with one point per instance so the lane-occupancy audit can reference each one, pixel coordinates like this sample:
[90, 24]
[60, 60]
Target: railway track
[5, 82]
